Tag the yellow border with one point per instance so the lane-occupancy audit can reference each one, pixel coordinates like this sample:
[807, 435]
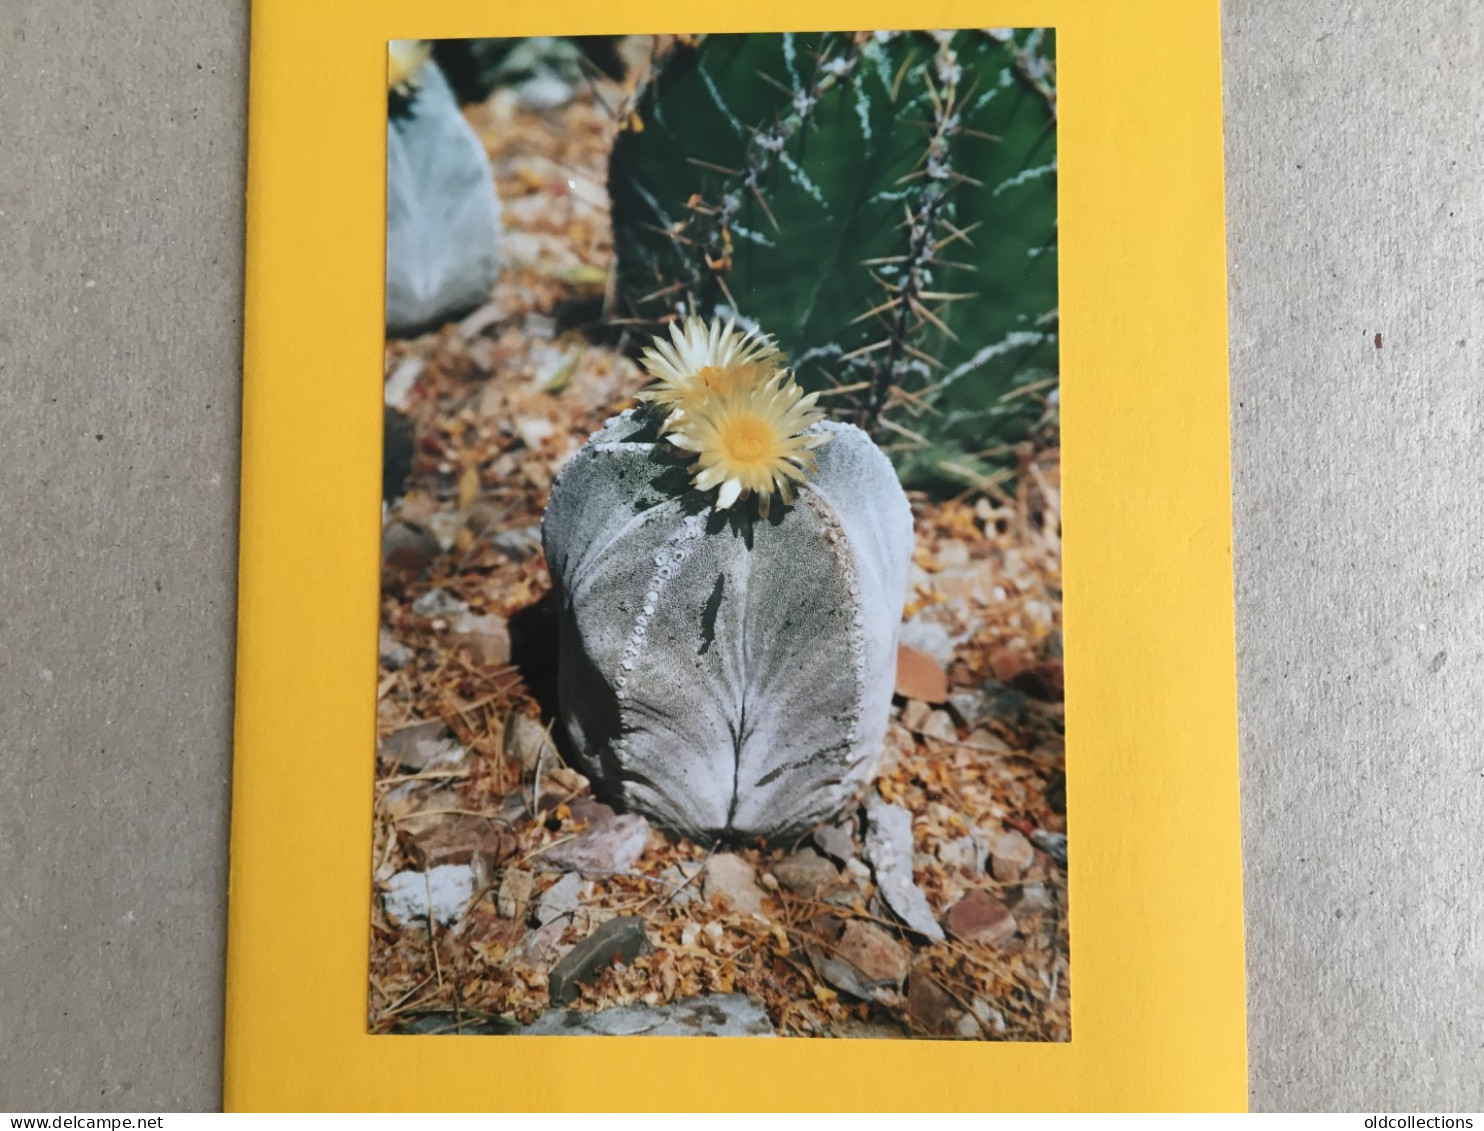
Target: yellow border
[1157, 991]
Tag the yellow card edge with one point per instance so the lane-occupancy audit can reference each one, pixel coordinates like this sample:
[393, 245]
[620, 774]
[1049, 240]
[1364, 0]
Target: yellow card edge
[1158, 1011]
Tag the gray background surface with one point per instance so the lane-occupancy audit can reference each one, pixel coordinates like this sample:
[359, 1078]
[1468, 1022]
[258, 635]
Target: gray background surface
[1354, 203]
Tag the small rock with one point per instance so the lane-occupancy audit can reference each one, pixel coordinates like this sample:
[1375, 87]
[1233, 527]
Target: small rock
[837, 841]
[1010, 855]
[889, 848]
[987, 741]
[1007, 663]
[393, 655]
[606, 847]
[619, 940]
[455, 838]
[415, 747]
[677, 879]
[939, 725]
[1053, 844]
[806, 873]
[988, 1016]
[735, 880]
[980, 918]
[967, 1028]
[492, 932]
[713, 1015]
[514, 893]
[517, 545]
[481, 320]
[969, 707]
[877, 958]
[485, 638]
[1035, 897]
[559, 900]
[951, 554]
[920, 676]
[406, 895]
[915, 713]
[438, 603]
[930, 1009]
[541, 947]
[532, 430]
[528, 740]
[586, 811]
[408, 547]
[963, 853]
[398, 390]
[931, 637]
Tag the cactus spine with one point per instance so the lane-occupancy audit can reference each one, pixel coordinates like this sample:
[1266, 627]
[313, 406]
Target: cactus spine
[885, 203]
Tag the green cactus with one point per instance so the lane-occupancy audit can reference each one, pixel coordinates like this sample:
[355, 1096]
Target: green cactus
[884, 203]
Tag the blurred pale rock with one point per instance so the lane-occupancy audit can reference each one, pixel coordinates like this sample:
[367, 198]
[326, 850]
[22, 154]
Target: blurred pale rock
[443, 216]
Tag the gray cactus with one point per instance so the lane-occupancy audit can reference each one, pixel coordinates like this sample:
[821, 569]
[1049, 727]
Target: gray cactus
[442, 214]
[726, 674]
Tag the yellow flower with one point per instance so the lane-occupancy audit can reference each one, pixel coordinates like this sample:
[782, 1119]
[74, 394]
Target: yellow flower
[702, 361]
[751, 438]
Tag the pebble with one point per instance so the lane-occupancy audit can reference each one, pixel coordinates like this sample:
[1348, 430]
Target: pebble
[514, 893]
[712, 1015]
[414, 748]
[405, 897]
[930, 1009]
[527, 740]
[980, 918]
[408, 547]
[393, 655]
[915, 713]
[931, 637]
[864, 961]
[485, 638]
[677, 891]
[988, 742]
[559, 900]
[963, 853]
[806, 873]
[438, 603]
[920, 676]
[837, 841]
[889, 848]
[1035, 897]
[939, 725]
[1053, 844]
[606, 847]
[952, 554]
[735, 880]
[1010, 855]
[619, 940]
[458, 838]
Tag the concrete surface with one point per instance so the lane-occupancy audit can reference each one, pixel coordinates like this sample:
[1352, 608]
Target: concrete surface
[1355, 209]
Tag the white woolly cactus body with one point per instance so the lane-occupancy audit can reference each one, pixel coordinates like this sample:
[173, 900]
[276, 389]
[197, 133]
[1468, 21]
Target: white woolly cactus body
[725, 670]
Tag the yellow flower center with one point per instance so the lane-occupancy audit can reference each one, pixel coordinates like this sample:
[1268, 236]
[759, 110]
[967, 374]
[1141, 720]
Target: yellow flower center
[748, 439]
